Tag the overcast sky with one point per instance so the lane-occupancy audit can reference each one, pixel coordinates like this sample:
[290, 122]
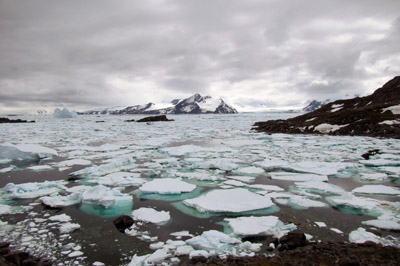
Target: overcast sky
[252, 53]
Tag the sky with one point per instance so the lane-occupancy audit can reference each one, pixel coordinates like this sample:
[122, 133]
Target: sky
[254, 54]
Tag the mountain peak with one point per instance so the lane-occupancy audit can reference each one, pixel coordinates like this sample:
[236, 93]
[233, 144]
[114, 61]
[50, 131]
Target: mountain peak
[195, 104]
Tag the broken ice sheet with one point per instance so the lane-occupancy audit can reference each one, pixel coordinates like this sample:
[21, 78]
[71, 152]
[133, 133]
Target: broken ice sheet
[120, 179]
[104, 196]
[295, 201]
[32, 190]
[200, 175]
[258, 226]
[58, 201]
[320, 187]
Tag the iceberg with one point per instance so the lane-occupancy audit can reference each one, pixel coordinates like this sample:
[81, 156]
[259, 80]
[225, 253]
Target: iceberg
[229, 200]
[261, 225]
[64, 113]
[150, 215]
[167, 186]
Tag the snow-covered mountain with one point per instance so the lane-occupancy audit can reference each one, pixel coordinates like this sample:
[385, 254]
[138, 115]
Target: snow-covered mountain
[314, 105]
[195, 104]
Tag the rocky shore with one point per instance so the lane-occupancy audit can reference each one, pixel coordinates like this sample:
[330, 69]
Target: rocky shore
[376, 115]
[9, 257]
[4, 120]
[324, 253]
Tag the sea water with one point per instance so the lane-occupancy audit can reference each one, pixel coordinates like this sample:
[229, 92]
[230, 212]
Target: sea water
[208, 176]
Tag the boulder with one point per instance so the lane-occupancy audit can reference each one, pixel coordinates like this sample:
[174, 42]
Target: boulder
[293, 240]
[123, 222]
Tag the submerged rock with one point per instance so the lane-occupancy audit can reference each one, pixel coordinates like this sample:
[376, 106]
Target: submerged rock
[376, 115]
[157, 118]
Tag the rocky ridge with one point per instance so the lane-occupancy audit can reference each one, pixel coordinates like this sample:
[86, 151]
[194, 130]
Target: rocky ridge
[195, 104]
[376, 115]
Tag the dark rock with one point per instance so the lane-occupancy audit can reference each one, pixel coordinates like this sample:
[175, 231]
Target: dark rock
[4, 250]
[129, 120]
[100, 121]
[293, 240]
[157, 118]
[4, 120]
[31, 262]
[123, 222]
[355, 117]
[4, 244]
[370, 153]
[198, 259]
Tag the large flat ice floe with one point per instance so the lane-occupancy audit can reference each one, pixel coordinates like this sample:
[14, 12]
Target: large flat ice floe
[263, 225]
[151, 215]
[229, 200]
[167, 186]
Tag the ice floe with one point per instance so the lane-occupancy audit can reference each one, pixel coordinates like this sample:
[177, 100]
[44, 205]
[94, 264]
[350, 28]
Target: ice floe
[104, 196]
[32, 190]
[120, 179]
[356, 205]
[297, 176]
[261, 225]
[320, 187]
[72, 162]
[58, 201]
[167, 186]
[361, 235]
[377, 189]
[229, 200]
[151, 215]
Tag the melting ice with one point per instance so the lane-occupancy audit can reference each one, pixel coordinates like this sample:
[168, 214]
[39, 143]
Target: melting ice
[194, 168]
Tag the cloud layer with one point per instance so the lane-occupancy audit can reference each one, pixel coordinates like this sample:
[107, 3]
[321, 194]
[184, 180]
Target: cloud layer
[254, 54]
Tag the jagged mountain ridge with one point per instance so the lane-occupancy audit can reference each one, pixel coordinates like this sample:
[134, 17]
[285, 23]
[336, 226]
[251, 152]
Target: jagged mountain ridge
[196, 104]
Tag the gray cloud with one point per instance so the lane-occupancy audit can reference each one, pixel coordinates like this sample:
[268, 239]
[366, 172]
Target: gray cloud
[252, 53]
